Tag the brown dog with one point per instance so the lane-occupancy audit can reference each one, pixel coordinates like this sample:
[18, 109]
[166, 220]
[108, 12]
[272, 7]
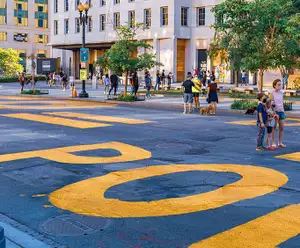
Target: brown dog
[206, 110]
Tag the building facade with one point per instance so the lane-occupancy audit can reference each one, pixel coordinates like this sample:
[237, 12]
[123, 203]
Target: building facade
[179, 31]
[24, 26]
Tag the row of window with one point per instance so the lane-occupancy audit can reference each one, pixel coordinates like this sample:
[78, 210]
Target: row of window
[131, 20]
[18, 37]
[21, 13]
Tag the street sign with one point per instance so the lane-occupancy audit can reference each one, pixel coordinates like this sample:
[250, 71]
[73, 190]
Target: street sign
[83, 74]
[84, 55]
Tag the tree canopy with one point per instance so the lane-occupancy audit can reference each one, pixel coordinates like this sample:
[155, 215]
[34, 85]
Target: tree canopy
[257, 35]
[123, 57]
[10, 62]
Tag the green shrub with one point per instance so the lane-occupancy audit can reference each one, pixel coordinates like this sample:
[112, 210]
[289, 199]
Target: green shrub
[8, 79]
[243, 104]
[15, 79]
[241, 95]
[34, 92]
[127, 98]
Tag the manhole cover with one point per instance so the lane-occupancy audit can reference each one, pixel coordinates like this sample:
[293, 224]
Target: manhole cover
[200, 151]
[179, 145]
[75, 225]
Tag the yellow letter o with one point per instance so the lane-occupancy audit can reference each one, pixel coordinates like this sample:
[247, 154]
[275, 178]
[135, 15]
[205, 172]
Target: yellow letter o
[87, 197]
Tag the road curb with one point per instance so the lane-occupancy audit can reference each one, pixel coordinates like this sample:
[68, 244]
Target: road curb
[136, 104]
[2, 238]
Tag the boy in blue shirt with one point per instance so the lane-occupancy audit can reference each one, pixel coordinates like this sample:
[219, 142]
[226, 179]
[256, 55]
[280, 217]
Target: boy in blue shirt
[262, 118]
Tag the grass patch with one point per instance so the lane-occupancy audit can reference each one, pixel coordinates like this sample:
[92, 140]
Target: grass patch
[241, 95]
[243, 104]
[127, 98]
[34, 92]
[15, 79]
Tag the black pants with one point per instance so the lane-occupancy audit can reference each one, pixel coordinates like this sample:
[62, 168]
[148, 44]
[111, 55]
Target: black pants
[136, 88]
[115, 89]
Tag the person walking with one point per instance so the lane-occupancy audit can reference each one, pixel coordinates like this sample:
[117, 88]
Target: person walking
[106, 84]
[135, 80]
[212, 96]
[244, 78]
[204, 79]
[131, 84]
[163, 78]
[64, 81]
[170, 76]
[21, 80]
[114, 80]
[157, 83]
[277, 97]
[188, 93]
[196, 91]
[148, 84]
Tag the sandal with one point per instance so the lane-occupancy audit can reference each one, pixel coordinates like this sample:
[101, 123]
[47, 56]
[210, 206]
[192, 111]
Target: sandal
[282, 145]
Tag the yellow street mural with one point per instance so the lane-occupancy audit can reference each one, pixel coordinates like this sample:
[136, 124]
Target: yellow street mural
[267, 231]
[98, 117]
[292, 156]
[64, 154]
[256, 181]
[291, 122]
[38, 103]
[56, 120]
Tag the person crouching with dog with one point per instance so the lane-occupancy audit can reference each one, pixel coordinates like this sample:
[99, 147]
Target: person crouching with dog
[262, 118]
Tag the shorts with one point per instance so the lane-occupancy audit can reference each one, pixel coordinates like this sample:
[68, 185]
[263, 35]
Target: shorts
[188, 98]
[269, 130]
[196, 94]
[281, 115]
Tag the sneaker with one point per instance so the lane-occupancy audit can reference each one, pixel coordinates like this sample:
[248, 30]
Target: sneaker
[271, 148]
[260, 149]
[184, 113]
[282, 145]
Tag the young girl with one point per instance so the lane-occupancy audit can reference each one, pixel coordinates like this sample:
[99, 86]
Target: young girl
[270, 124]
[261, 121]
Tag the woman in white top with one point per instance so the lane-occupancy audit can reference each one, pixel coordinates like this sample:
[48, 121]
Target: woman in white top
[277, 97]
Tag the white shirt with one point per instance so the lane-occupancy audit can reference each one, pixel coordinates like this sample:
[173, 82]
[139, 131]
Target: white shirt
[277, 97]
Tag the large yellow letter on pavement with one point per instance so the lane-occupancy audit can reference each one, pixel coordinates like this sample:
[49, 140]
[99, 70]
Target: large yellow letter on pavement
[267, 231]
[63, 154]
[87, 197]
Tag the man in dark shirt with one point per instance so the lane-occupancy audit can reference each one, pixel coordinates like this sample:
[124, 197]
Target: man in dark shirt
[188, 93]
[114, 80]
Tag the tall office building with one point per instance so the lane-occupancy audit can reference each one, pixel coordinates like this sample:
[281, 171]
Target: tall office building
[179, 31]
[24, 26]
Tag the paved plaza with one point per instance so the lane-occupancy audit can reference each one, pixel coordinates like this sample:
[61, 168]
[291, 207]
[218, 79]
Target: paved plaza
[99, 175]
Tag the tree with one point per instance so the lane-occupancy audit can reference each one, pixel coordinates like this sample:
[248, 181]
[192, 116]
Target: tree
[258, 35]
[123, 58]
[10, 62]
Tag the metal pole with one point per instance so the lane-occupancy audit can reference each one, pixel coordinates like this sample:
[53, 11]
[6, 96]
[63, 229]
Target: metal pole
[83, 93]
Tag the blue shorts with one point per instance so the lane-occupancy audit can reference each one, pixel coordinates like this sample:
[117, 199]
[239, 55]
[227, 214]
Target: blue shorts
[281, 115]
[188, 97]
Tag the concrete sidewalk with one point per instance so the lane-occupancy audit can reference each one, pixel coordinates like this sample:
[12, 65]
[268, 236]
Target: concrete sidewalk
[20, 236]
[157, 101]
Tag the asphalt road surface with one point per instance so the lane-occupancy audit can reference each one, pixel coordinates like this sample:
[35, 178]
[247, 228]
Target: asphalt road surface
[92, 175]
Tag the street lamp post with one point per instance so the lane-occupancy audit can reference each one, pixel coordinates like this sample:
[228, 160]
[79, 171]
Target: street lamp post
[83, 11]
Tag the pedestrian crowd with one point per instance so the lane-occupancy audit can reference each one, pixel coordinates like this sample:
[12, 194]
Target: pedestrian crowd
[203, 84]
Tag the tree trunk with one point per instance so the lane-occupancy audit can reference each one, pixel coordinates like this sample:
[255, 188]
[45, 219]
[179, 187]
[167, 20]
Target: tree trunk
[126, 82]
[236, 79]
[261, 80]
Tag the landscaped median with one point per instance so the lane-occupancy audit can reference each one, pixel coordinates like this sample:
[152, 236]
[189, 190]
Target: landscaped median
[244, 104]
[35, 92]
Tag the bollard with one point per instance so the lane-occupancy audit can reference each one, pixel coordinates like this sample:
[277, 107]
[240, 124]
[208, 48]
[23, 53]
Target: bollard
[2, 239]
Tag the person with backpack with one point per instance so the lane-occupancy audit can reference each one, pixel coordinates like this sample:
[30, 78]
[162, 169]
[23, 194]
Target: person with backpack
[64, 81]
